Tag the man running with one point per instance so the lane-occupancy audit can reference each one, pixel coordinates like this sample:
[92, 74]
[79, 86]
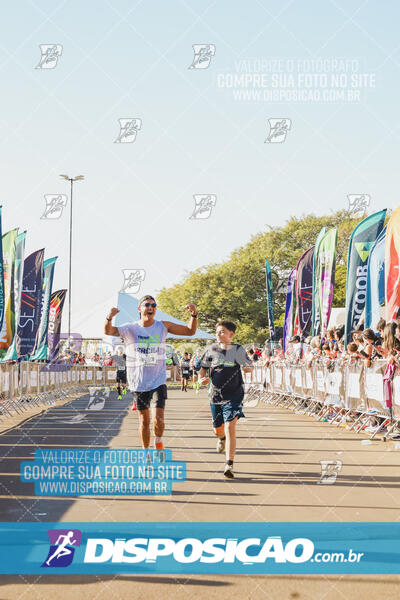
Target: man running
[120, 362]
[185, 371]
[145, 350]
[196, 366]
[226, 391]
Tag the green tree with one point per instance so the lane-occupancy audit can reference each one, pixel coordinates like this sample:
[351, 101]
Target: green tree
[235, 289]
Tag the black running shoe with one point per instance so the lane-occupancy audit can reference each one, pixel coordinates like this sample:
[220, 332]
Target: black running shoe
[228, 472]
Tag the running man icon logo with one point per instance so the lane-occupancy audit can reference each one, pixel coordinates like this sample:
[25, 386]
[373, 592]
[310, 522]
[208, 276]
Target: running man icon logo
[98, 397]
[54, 206]
[132, 280]
[203, 204]
[358, 202]
[278, 129]
[50, 53]
[61, 552]
[203, 54]
[329, 471]
[128, 130]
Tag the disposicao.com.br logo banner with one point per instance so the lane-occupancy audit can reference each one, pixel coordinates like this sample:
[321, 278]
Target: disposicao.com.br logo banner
[199, 548]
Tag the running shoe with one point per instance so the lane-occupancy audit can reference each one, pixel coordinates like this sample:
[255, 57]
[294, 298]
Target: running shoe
[134, 407]
[120, 397]
[124, 391]
[228, 472]
[220, 445]
[158, 445]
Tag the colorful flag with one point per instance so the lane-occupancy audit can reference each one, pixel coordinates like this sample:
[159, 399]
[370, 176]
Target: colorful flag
[31, 301]
[288, 323]
[40, 349]
[325, 276]
[392, 266]
[304, 291]
[316, 319]
[11, 353]
[361, 241]
[8, 327]
[375, 282]
[55, 314]
[270, 303]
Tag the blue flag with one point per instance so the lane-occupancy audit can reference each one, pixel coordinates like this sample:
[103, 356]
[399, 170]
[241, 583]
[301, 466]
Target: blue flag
[361, 241]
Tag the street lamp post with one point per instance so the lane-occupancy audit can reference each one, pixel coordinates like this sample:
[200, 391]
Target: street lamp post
[71, 180]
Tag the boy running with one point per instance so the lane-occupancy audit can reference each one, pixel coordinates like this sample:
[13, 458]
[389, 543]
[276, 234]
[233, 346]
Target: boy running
[226, 391]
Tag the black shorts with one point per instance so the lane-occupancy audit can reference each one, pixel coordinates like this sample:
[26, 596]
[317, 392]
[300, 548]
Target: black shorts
[121, 376]
[185, 375]
[143, 399]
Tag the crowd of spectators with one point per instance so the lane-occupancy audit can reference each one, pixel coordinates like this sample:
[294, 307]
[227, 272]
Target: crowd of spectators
[366, 345]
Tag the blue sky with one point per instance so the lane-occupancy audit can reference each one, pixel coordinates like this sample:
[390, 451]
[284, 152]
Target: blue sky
[130, 59]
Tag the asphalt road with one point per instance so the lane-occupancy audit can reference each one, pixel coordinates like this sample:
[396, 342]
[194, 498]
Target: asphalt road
[277, 472]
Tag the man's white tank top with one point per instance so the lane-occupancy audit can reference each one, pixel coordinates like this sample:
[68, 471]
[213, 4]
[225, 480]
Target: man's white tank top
[145, 355]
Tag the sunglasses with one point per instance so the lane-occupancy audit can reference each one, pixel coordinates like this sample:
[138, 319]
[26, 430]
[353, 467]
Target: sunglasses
[148, 304]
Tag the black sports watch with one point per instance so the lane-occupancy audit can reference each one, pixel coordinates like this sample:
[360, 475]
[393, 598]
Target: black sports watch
[193, 316]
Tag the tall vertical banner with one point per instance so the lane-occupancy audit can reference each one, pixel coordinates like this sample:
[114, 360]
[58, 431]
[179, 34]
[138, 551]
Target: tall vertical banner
[11, 353]
[2, 307]
[316, 319]
[325, 276]
[392, 266]
[288, 324]
[375, 282]
[361, 241]
[270, 303]
[55, 314]
[31, 301]
[304, 291]
[40, 349]
[8, 327]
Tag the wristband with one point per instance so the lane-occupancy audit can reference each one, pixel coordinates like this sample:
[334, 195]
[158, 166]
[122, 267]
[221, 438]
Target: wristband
[107, 319]
[193, 316]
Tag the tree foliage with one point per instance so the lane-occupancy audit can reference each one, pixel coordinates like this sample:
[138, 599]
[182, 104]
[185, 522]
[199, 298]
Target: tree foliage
[236, 290]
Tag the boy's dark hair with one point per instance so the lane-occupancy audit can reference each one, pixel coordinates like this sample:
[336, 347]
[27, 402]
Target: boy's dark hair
[228, 325]
[352, 347]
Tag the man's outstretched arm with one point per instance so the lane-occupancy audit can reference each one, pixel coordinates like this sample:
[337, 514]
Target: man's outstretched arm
[108, 328]
[189, 329]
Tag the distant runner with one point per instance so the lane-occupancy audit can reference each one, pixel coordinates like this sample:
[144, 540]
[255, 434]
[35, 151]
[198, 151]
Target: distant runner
[224, 360]
[185, 371]
[145, 351]
[120, 362]
[196, 366]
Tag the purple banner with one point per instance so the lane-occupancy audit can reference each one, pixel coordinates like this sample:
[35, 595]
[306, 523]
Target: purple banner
[304, 291]
[288, 325]
[31, 302]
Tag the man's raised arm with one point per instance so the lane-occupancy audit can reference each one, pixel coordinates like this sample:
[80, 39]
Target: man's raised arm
[108, 328]
[189, 329]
